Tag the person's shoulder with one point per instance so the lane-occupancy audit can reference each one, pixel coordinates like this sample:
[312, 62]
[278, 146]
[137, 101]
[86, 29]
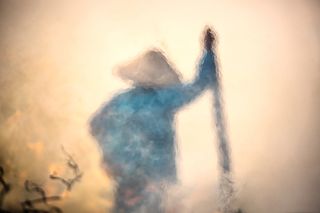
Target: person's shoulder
[130, 99]
[123, 97]
[119, 97]
[126, 99]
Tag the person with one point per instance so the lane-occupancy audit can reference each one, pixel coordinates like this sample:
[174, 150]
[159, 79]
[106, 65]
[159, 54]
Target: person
[135, 129]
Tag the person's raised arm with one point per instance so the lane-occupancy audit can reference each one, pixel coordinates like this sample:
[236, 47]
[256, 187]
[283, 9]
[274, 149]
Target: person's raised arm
[182, 94]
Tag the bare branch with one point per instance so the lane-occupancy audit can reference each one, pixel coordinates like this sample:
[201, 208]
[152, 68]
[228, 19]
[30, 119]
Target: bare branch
[5, 187]
[33, 187]
[28, 205]
[72, 164]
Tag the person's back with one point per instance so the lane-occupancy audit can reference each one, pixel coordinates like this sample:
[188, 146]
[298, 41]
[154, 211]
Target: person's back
[137, 133]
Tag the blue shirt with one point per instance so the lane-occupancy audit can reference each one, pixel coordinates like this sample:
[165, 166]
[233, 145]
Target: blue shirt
[135, 128]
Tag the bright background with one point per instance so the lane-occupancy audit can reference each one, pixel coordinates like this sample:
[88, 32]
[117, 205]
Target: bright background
[56, 64]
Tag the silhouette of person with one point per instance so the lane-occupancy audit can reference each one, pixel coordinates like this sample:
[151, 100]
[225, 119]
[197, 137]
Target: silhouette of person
[135, 129]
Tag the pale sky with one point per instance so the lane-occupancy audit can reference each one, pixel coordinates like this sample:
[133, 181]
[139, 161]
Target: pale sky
[57, 70]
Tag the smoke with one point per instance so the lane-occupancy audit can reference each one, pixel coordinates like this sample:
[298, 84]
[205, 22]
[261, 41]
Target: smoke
[42, 108]
[56, 63]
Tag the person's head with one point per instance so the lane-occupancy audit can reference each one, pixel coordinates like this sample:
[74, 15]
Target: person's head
[151, 69]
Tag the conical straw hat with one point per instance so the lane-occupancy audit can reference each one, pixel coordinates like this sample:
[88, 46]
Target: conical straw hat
[150, 69]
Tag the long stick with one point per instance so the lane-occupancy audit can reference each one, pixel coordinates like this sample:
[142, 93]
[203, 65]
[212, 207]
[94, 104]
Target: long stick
[226, 185]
